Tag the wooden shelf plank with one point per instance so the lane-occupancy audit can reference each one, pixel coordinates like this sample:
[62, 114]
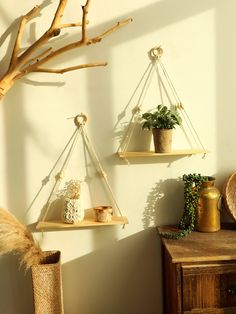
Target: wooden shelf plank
[176, 152]
[87, 222]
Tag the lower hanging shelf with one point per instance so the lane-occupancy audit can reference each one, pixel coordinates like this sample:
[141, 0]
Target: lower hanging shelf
[87, 222]
[178, 152]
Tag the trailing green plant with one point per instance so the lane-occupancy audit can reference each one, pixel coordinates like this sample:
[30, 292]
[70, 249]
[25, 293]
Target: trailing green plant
[161, 118]
[192, 185]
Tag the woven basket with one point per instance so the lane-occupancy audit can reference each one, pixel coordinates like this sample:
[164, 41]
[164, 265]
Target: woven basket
[229, 195]
[47, 285]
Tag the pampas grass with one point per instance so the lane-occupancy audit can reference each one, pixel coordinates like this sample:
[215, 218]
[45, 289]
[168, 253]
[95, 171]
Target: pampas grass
[16, 238]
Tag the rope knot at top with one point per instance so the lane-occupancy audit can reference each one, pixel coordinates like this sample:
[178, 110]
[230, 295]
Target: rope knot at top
[80, 119]
[155, 53]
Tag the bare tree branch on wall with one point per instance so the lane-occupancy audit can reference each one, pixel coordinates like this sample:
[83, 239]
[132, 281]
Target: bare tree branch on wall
[33, 58]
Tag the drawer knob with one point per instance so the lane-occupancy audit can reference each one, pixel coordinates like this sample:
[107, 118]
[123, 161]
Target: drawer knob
[232, 290]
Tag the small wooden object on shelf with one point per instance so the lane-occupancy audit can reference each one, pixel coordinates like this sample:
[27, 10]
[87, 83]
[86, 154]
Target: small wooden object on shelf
[199, 272]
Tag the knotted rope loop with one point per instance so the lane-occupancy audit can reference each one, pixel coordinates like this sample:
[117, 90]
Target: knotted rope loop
[80, 119]
[155, 53]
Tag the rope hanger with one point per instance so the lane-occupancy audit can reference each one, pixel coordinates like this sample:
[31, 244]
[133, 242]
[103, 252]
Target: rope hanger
[157, 67]
[80, 120]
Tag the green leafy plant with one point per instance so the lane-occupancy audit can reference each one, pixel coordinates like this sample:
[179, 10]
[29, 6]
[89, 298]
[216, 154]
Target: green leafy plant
[188, 222]
[161, 118]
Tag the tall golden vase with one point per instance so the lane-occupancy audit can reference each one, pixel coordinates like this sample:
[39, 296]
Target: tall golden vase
[208, 210]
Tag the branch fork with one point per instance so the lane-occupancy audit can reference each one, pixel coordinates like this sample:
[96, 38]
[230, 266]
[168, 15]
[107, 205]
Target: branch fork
[33, 59]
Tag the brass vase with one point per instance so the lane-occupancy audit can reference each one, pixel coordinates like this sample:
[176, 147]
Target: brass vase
[208, 210]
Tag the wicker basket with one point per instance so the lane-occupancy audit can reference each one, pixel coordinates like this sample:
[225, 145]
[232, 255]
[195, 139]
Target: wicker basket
[229, 195]
[47, 285]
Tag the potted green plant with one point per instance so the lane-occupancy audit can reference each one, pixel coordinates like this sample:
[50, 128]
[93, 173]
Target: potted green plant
[162, 121]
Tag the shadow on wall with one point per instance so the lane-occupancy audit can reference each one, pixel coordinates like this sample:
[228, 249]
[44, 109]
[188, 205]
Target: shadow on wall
[164, 203]
[16, 287]
[167, 12]
[114, 274]
[225, 91]
[117, 274]
[151, 18]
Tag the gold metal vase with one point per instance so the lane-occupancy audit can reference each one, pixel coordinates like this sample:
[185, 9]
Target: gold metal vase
[208, 210]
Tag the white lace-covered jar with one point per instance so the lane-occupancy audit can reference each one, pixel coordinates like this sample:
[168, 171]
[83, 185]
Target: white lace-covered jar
[72, 211]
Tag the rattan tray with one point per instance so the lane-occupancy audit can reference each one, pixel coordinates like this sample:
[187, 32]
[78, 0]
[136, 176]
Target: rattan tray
[229, 195]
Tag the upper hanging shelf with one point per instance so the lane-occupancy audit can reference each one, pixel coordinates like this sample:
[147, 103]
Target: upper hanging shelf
[168, 95]
[177, 152]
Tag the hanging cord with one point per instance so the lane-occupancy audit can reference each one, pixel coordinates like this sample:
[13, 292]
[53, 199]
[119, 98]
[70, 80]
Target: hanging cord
[163, 87]
[98, 167]
[180, 106]
[47, 178]
[136, 110]
[134, 93]
[154, 55]
[60, 175]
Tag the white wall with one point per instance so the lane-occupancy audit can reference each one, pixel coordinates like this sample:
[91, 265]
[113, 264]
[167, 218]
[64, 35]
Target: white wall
[113, 270]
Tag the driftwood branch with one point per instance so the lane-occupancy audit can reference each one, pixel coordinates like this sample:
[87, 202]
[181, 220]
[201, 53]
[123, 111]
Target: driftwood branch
[23, 22]
[76, 67]
[35, 56]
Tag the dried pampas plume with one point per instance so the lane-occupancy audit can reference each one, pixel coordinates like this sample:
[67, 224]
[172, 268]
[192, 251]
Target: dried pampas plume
[16, 238]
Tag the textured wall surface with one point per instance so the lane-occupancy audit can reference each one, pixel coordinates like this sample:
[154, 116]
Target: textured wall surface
[113, 270]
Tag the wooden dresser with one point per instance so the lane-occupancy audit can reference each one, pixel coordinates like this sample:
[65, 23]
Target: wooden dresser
[199, 273]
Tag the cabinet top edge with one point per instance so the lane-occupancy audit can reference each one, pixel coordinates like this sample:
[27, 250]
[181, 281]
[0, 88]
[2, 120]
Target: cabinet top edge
[200, 247]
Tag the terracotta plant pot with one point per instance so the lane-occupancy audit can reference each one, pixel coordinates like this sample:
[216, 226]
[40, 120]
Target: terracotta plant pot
[162, 140]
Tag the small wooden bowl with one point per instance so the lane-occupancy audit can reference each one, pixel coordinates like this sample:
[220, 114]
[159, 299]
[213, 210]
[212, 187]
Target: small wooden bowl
[103, 213]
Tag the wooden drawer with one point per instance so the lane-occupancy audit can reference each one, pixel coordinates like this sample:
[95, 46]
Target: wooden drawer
[209, 288]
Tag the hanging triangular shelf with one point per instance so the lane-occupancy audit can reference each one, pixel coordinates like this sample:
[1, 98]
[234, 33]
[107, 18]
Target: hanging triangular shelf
[89, 218]
[176, 152]
[87, 222]
[166, 88]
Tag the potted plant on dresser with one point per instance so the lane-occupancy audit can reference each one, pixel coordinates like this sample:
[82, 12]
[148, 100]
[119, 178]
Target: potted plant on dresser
[162, 121]
[201, 207]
